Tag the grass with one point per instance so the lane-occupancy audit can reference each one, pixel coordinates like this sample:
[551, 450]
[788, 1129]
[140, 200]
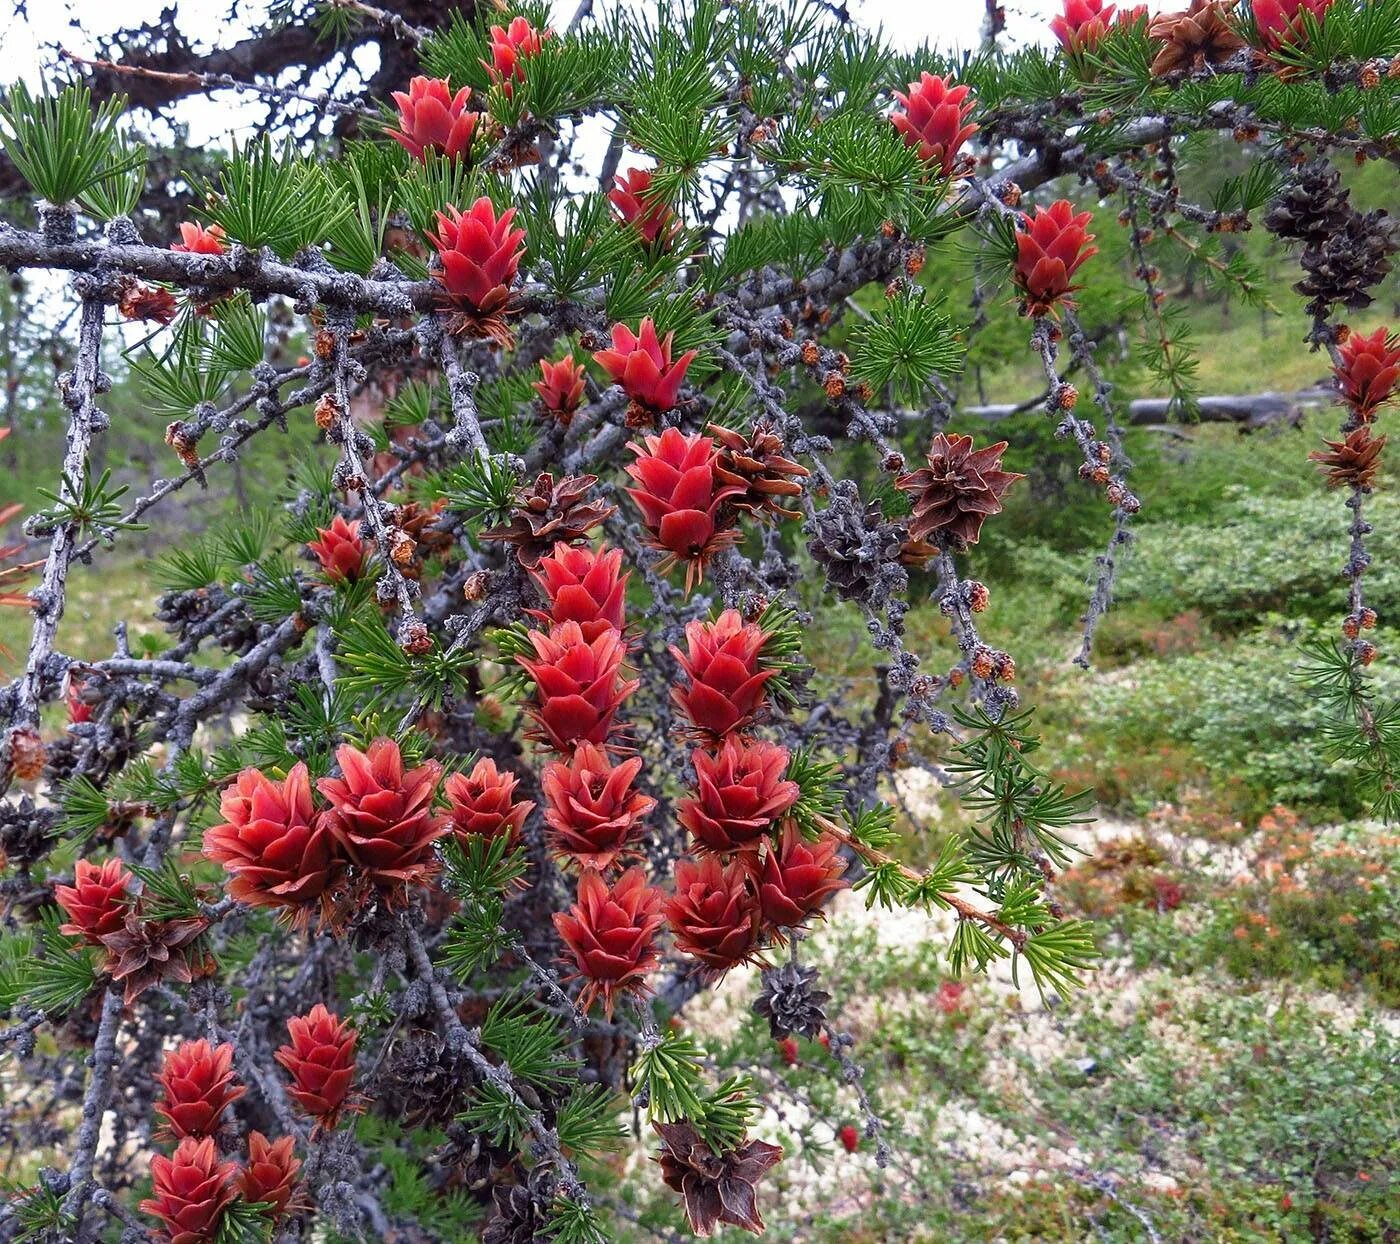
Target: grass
[1202, 1107]
[114, 588]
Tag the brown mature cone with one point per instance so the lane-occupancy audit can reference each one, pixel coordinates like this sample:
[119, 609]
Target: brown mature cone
[1200, 36]
[420, 522]
[143, 953]
[715, 1188]
[957, 490]
[756, 464]
[1352, 462]
[549, 513]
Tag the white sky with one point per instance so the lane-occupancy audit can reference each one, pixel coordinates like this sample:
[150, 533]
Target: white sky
[951, 24]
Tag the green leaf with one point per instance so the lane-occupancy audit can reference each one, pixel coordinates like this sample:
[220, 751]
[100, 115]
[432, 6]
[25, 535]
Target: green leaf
[274, 199]
[59, 146]
[908, 344]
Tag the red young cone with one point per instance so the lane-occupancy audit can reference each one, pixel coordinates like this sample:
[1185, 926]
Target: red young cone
[560, 387]
[680, 497]
[382, 815]
[272, 842]
[578, 685]
[726, 681]
[933, 118]
[79, 710]
[641, 363]
[483, 804]
[198, 1083]
[479, 256]
[431, 117]
[1281, 23]
[714, 912]
[592, 808]
[190, 1191]
[320, 1058]
[510, 47]
[97, 902]
[1050, 247]
[582, 585]
[850, 1138]
[797, 878]
[637, 206]
[1369, 371]
[1082, 25]
[198, 240]
[341, 550]
[610, 934]
[740, 791]
[270, 1175]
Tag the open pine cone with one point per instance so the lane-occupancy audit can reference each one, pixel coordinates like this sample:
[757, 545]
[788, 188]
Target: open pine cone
[1200, 36]
[1352, 462]
[549, 513]
[958, 489]
[756, 464]
[716, 1188]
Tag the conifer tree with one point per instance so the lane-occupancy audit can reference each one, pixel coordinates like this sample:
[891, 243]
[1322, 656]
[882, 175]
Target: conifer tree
[523, 752]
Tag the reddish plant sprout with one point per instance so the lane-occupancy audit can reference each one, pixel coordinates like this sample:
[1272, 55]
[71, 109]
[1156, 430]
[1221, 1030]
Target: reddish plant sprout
[610, 935]
[510, 47]
[1082, 24]
[1051, 245]
[714, 913]
[560, 388]
[320, 1058]
[727, 684]
[933, 117]
[640, 207]
[797, 879]
[432, 118]
[789, 1051]
[269, 1177]
[79, 710]
[740, 791]
[482, 803]
[1368, 371]
[197, 1085]
[680, 498]
[641, 363]
[97, 902]
[1283, 23]
[593, 808]
[275, 846]
[341, 550]
[582, 585]
[849, 1137]
[578, 685]
[478, 259]
[382, 816]
[190, 1190]
[139, 301]
[950, 997]
[200, 240]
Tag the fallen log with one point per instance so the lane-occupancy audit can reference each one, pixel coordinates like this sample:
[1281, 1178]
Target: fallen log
[1253, 410]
